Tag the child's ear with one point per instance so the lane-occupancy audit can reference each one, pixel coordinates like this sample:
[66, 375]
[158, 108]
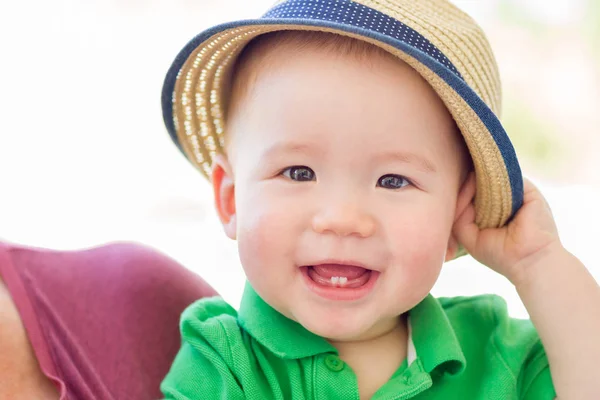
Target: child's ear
[465, 198]
[224, 192]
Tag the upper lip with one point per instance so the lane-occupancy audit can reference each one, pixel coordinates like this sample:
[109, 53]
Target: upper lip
[339, 261]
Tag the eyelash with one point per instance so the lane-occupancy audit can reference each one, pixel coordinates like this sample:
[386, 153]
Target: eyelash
[287, 172]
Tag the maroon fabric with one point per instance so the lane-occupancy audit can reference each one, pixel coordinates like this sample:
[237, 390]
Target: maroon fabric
[103, 322]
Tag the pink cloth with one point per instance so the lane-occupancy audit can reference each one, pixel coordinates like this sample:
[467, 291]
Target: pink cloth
[103, 322]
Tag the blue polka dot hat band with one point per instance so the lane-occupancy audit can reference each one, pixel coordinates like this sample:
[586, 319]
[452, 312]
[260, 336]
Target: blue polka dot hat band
[359, 16]
[434, 37]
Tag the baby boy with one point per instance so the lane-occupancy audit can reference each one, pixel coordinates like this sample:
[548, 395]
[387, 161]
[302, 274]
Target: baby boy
[352, 151]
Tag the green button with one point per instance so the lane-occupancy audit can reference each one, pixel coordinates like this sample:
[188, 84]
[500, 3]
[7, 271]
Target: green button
[406, 377]
[334, 363]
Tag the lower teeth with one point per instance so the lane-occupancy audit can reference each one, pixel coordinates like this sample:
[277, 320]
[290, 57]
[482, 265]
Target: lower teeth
[339, 280]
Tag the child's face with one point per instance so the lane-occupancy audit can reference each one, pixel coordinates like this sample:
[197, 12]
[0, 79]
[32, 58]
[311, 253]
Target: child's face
[378, 174]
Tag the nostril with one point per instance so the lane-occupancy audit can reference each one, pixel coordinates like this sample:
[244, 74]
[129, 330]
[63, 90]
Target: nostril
[344, 223]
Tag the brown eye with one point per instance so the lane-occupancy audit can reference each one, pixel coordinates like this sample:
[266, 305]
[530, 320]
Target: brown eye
[299, 173]
[392, 181]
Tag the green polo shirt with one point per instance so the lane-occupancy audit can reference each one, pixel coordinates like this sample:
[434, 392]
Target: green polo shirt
[459, 348]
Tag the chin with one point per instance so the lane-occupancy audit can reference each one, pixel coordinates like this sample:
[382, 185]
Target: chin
[335, 329]
[337, 335]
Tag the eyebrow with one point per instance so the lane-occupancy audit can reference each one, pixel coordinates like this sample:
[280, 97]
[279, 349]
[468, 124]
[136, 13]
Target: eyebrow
[289, 147]
[420, 162]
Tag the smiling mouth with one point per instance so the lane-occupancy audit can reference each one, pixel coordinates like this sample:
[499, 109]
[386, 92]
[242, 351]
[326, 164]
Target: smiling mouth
[337, 275]
[338, 281]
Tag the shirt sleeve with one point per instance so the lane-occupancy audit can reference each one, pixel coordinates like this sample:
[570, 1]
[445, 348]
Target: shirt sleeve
[518, 343]
[536, 380]
[205, 367]
[541, 387]
[200, 375]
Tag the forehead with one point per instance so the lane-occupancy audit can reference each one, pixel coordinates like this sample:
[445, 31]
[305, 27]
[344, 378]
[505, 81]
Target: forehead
[308, 91]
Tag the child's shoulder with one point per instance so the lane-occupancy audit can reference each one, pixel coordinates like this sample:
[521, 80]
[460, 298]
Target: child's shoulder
[487, 312]
[209, 318]
[209, 309]
[474, 305]
[210, 326]
[483, 325]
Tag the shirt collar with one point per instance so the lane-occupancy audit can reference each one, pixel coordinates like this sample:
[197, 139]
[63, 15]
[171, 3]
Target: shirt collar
[431, 337]
[280, 335]
[434, 339]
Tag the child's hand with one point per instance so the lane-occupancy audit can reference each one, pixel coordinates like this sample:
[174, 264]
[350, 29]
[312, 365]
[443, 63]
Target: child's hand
[510, 250]
[558, 291]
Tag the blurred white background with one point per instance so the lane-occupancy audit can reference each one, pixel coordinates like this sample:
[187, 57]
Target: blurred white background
[85, 159]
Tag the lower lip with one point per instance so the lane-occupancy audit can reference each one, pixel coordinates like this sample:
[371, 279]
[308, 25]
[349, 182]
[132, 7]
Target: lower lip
[339, 293]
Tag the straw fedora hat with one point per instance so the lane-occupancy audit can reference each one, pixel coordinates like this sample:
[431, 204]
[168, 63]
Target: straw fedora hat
[436, 38]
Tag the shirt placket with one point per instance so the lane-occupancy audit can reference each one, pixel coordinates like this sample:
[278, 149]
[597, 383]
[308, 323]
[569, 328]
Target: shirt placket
[334, 379]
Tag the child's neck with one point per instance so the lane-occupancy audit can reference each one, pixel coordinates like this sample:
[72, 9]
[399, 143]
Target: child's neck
[375, 360]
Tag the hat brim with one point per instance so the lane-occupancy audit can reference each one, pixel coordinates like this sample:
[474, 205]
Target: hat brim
[193, 94]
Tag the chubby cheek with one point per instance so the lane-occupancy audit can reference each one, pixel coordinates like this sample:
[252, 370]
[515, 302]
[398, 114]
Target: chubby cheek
[418, 251]
[265, 233]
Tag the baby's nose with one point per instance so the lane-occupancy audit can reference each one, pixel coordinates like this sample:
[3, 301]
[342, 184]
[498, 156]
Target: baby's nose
[344, 219]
